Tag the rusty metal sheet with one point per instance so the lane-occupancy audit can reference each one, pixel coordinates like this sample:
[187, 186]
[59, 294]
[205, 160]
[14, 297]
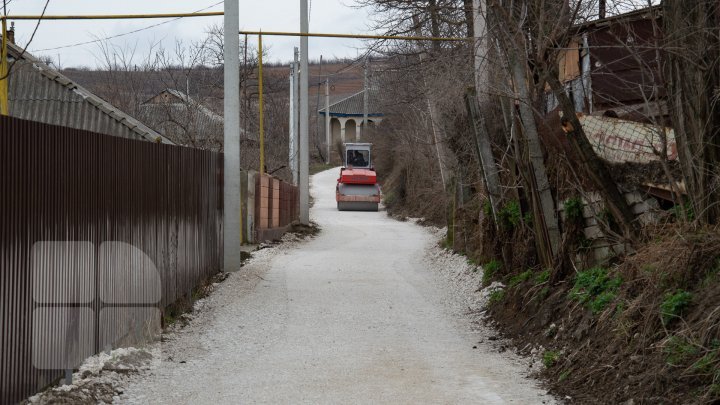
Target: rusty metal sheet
[625, 68]
[621, 141]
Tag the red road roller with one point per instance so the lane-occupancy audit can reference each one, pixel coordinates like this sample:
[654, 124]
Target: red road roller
[357, 188]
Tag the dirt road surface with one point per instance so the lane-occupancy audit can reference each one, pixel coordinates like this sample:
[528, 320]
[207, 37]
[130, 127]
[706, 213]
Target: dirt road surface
[355, 315]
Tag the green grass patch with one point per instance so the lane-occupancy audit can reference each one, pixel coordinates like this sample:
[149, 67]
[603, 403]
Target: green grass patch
[708, 364]
[574, 209]
[520, 278]
[510, 215]
[550, 358]
[595, 288]
[674, 305]
[489, 270]
[682, 212]
[679, 350]
[564, 375]
[542, 277]
[496, 297]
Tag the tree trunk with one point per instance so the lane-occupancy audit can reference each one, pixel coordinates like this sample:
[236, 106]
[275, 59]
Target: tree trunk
[483, 151]
[592, 166]
[692, 72]
[546, 225]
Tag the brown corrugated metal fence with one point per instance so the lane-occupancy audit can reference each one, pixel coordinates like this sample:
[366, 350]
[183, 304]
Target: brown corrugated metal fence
[90, 226]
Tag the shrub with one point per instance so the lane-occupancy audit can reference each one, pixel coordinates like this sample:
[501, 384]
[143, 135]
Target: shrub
[707, 363]
[550, 358]
[496, 296]
[489, 270]
[389, 199]
[683, 211]
[542, 277]
[595, 288]
[678, 350]
[520, 278]
[510, 215]
[673, 305]
[574, 209]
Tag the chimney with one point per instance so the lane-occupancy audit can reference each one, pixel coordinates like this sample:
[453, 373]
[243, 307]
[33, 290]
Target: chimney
[11, 33]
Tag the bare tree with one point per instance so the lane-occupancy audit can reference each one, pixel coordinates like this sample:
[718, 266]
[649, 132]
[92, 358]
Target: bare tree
[692, 57]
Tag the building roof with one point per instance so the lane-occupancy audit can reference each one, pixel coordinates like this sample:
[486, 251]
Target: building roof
[186, 100]
[183, 119]
[40, 93]
[352, 106]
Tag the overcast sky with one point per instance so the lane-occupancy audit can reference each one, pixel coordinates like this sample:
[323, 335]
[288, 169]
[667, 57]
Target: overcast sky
[335, 16]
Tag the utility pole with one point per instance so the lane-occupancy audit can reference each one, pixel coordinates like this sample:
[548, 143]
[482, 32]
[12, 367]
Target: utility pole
[365, 100]
[304, 144]
[482, 137]
[327, 119]
[296, 122]
[292, 127]
[232, 220]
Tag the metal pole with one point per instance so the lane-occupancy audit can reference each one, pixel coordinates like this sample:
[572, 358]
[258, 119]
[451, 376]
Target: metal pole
[4, 109]
[304, 116]
[232, 218]
[260, 106]
[291, 124]
[327, 119]
[296, 122]
[354, 36]
[365, 100]
[112, 16]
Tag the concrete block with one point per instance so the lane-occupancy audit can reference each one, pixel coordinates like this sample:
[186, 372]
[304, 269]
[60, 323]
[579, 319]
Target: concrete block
[640, 207]
[633, 197]
[601, 254]
[649, 218]
[593, 232]
[592, 221]
[652, 203]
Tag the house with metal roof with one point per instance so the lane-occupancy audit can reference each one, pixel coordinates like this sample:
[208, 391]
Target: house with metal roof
[346, 115]
[40, 93]
[183, 119]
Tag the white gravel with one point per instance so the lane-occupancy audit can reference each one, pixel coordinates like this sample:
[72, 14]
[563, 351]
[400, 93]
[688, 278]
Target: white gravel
[369, 311]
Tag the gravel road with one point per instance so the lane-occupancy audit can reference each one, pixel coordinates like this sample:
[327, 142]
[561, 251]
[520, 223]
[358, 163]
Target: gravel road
[359, 314]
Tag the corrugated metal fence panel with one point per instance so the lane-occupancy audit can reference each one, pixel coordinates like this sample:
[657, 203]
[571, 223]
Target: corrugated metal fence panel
[90, 226]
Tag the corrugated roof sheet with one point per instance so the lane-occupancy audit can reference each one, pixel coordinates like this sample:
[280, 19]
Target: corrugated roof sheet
[621, 141]
[353, 105]
[184, 120]
[39, 93]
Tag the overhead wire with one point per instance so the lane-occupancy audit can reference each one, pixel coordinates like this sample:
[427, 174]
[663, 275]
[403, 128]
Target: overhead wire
[125, 33]
[28, 44]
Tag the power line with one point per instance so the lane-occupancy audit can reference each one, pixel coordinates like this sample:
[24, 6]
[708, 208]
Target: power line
[28, 44]
[125, 33]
